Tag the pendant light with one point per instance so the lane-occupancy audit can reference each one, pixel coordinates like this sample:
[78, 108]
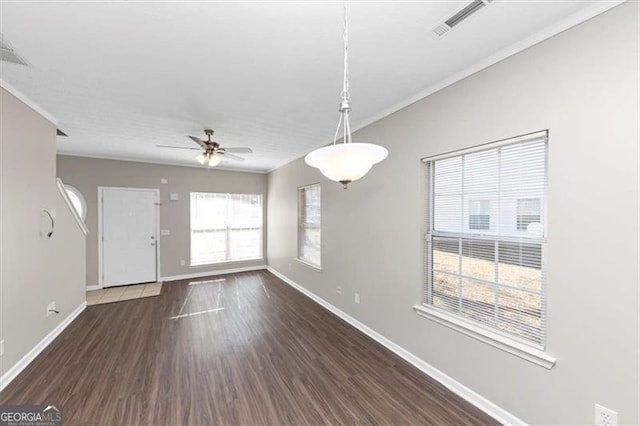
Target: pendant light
[345, 162]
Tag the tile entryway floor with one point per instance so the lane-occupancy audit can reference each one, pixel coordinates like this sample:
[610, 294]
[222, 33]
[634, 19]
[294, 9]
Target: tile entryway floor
[118, 294]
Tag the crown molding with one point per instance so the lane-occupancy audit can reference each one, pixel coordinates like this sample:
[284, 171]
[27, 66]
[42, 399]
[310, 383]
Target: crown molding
[513, 49]
[162, 163]
[28, 102]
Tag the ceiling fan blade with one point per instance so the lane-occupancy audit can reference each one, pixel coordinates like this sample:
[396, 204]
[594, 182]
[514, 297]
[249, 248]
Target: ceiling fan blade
[232, 157]
[198, 141]
[239, 150]
[178, 147]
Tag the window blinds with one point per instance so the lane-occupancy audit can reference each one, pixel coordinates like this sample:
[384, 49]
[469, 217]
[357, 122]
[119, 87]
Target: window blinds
[486, 236]
[309, 238]
[225, 227]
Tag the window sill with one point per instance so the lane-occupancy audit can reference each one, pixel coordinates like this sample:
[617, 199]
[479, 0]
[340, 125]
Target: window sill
[228, 262]
[522, 350]
[310, 265]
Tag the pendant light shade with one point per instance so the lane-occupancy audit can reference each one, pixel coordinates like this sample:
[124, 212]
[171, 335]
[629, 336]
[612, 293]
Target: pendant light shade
[345, 162]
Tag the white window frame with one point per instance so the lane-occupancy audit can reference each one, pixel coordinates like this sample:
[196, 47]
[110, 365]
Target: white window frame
[512, 344]
[518, 215]
[228, 233]
[83, 203]
[302, 228]
[479, 201]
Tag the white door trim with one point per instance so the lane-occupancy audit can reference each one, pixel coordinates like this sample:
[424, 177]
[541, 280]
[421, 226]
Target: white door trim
[100, 240]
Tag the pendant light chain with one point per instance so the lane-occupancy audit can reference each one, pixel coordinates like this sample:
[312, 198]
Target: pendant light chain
[345, 104]
[345, 162]
[345, 84]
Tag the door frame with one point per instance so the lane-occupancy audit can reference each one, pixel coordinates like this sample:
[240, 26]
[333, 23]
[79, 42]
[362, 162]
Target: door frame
[100, 228]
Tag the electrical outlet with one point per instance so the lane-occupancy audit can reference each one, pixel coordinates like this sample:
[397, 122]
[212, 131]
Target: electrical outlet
[339, 289]
[183, 262]
[163, 181]
[356, 298]
[605, 416]
[1, 347]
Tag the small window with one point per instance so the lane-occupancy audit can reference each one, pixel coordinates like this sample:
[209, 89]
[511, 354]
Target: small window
[77, 200]
[494, 278]
[528, 212]
[309, 209]
[479, 214]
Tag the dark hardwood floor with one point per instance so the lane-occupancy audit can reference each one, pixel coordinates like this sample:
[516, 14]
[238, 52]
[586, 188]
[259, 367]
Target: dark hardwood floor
[235, 349]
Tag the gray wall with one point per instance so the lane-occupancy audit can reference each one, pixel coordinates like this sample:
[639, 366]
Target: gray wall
[87, 174]
[582, 85]
[34, 270]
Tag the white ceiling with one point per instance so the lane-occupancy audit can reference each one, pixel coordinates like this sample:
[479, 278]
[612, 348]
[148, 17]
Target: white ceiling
[122, 77]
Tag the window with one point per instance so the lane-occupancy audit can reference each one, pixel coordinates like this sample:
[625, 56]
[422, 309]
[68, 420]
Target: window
[309, 224]
[479, 214]
[488, 272]
[77, 200]
[529, 212]
[225, 227]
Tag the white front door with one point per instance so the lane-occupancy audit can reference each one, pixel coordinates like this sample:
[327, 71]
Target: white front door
[128, 235]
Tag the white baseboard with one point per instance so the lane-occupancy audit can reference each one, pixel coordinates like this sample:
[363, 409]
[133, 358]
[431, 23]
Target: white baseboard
[94, 287]
[456, 387]
[212, 273]
[13, 372]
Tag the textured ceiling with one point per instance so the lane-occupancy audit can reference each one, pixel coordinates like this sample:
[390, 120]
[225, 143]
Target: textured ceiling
[122, 77]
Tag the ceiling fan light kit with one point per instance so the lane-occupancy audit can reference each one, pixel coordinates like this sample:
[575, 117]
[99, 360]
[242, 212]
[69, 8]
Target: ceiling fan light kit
[212, 153]
[209, 158]
[214, 160]
[345, 162]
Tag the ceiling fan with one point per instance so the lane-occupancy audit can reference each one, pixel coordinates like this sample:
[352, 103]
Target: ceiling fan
[212, 153]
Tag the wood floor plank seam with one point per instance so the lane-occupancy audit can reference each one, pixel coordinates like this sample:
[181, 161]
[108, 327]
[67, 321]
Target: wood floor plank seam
[271, 356]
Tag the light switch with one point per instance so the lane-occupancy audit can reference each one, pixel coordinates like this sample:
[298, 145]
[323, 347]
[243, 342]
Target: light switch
[163, 180]
[165, 232]
[174, 196]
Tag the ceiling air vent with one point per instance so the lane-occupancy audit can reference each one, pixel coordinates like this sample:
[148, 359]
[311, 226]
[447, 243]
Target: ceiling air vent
[441, 29]
[446, 26]
[7, 54]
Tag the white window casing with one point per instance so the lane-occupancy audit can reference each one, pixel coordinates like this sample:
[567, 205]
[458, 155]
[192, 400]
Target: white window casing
[309, 225]
[485, 244]
[77, 200]
[225, 228]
